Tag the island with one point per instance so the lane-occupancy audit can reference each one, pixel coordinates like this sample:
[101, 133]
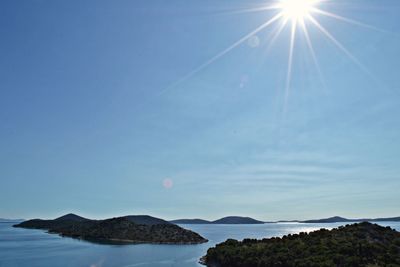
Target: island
[122, 230]
[337, 219]
[224, 220]
[2, 220]
[248, 220]
[333, 219]
[362, 244]
[237, 220]
[191, 221]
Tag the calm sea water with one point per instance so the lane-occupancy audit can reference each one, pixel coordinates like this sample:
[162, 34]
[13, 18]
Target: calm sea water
[35, 248]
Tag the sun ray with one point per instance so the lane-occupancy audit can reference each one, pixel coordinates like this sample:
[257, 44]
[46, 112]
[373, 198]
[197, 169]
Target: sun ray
[298, 12]
[290, 62]
[340, 46]
[224, 52]
[344, 19]
[276, 34]
[312, 51]
[252, 10]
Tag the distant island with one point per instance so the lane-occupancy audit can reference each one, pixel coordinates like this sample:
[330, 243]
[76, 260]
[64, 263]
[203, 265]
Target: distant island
[362, 244]
[127, 229]
[191, 221]
[10, 220]
[336, 219]
[225, 220]
[237, 220]
[248, 220]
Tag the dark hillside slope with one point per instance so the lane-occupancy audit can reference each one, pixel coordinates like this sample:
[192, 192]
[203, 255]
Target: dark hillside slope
[71, 217]
[362, 244]
[145, 219]
[146, 229]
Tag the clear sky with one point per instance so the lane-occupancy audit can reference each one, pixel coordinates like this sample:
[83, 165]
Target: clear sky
[100, 117]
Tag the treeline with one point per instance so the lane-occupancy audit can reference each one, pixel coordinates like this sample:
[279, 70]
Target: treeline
[362, 244]
[116, 230]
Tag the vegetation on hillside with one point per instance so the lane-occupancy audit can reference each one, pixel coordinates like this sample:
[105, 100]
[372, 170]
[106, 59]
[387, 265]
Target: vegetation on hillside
[121, 230]
[362, 244]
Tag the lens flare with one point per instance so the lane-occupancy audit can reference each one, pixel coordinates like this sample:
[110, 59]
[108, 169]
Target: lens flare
[168, 183]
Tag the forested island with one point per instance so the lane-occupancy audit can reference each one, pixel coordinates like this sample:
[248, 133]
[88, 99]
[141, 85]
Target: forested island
[127, 229]
[362, 244]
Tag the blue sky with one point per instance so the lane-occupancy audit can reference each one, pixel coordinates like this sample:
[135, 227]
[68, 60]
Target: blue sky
[95, 114]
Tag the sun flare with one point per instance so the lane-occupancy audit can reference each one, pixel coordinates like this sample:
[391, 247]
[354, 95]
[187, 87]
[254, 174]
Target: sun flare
[297, 16]
[297, 9]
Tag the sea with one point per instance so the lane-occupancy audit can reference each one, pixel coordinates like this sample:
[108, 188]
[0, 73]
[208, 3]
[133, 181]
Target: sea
[36, 248]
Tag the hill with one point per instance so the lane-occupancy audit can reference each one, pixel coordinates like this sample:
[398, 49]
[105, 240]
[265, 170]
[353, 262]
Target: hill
[362, 244]
[71, 217]
[145, 219]
[237, 220]
[121, 230]
[190, 221]
[329, 220]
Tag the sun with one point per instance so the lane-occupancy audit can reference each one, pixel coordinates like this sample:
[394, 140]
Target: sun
[296, 10]
[298, 16]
